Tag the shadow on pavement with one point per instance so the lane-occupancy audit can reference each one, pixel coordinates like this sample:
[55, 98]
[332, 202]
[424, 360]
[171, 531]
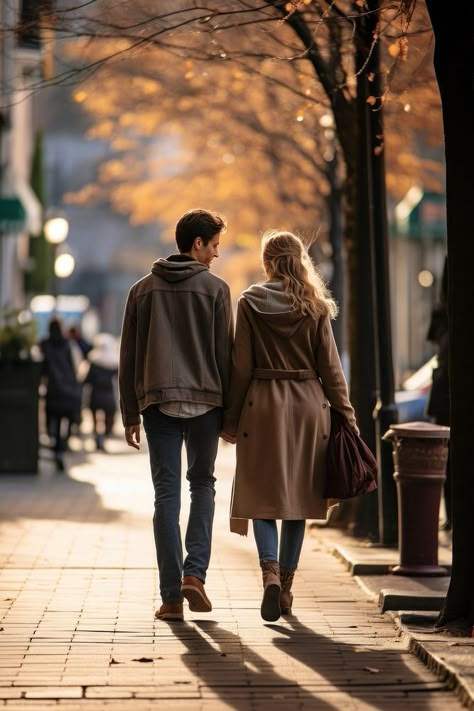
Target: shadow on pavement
[53, 495]
[343, 668]
[353, 668]
[250, 681]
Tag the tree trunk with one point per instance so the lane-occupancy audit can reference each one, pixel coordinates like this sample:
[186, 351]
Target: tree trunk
[454, 65]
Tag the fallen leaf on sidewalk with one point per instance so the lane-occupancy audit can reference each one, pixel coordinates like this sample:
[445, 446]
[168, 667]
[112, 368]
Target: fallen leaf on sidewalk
[372, 670]
[142, 659]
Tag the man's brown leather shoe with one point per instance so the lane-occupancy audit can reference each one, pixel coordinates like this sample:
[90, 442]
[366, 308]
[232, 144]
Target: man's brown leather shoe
[193, 590]
[170, 611]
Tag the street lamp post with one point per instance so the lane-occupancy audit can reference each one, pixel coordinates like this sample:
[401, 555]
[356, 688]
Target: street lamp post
[386, 412]
[64, 264]
[56, 230]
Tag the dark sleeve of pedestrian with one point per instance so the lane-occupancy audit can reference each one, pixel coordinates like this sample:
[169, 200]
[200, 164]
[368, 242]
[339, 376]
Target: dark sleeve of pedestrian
[242, 370]
[224, 334]
[44, 361]
[329, 369]
[128, 397]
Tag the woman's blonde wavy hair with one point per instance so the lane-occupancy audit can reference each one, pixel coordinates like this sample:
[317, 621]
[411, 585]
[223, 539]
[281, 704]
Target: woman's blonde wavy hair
[285, 258]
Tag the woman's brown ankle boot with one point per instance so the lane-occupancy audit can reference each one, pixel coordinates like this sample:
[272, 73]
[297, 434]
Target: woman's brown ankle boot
[270, 608]
[286, 596]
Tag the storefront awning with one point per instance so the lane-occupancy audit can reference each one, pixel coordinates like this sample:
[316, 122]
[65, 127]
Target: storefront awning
[20, 210]
[12, 215]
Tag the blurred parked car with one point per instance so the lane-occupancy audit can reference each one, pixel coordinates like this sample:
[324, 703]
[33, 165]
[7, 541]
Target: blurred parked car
[412, 398]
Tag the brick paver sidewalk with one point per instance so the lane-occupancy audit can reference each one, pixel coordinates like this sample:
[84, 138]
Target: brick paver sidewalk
[78, 590]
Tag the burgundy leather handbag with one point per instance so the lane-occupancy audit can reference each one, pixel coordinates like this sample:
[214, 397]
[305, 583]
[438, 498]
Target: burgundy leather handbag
[351, 468]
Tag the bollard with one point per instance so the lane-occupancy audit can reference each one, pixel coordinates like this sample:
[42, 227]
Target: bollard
[420, 452]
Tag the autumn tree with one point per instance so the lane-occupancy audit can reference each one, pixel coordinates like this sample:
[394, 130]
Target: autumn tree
[323, 51]
[328, 43]
[201, 132]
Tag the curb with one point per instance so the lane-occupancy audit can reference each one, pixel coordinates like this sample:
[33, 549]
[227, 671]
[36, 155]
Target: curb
[434, 662]
[443, 670]
[356, 568]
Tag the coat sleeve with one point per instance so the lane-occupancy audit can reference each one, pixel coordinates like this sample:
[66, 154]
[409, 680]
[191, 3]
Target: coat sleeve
[128, 398]
[329, 369]
[242, 370]
[224, 340]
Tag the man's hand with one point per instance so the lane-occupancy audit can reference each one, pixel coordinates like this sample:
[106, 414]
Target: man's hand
[132, 435]
[232, 439]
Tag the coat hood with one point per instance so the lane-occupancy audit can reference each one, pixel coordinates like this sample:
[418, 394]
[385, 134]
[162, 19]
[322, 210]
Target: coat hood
[177, 267]
[272, 304]
[268, 298]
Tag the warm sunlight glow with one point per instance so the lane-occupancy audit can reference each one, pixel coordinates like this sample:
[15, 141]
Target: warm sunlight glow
[80, 96]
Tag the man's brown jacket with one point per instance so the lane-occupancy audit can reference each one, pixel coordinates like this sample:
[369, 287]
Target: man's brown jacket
[176, 338]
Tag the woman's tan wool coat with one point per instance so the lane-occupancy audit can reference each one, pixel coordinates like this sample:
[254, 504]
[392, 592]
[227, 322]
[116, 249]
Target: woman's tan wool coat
[282, 425]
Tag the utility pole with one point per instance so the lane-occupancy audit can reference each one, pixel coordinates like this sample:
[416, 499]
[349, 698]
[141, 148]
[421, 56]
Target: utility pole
[372, 136]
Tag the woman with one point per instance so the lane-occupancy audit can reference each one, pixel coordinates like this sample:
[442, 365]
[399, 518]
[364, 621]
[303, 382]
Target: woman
[286, 374]
[99, 374]
[63, 391]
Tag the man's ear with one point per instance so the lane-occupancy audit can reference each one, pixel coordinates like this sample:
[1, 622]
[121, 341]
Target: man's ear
[197, 244]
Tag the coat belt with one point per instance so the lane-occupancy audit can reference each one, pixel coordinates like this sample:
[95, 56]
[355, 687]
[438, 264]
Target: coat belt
[270, 374]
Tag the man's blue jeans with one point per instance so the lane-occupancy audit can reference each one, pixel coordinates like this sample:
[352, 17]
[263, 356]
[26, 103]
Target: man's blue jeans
[291, 541]
[165, 436]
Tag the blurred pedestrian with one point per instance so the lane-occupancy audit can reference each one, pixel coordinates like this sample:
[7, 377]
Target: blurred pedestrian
[75, 336]
[63, 390]
[174, 369]
[438, 407]
[286, 374]
[99, 376]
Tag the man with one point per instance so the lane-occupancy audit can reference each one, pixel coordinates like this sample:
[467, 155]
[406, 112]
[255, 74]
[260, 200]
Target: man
[174, 371]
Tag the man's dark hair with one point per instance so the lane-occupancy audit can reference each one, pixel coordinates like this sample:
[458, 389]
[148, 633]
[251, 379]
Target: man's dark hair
[197, 223]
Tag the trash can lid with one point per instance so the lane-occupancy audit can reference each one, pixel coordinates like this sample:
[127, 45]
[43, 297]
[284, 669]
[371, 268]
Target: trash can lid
[418, 430]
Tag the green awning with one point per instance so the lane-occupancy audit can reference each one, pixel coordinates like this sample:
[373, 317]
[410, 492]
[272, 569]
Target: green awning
[12, 215]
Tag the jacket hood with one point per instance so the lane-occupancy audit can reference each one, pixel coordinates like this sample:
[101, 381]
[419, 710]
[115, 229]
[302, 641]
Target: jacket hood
[272, 304]
[177, 267]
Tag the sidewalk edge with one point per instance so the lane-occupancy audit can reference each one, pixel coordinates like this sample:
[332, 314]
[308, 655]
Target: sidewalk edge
[442, 669]
[436, 664]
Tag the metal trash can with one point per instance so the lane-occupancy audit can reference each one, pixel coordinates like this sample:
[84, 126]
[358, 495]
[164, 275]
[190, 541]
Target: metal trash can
[420, 452]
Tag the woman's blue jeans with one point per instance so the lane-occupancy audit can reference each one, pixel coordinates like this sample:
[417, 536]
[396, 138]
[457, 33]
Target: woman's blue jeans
[291, 541]
[165, 436]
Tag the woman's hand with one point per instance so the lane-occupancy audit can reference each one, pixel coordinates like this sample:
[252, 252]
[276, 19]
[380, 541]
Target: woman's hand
[231, 439]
